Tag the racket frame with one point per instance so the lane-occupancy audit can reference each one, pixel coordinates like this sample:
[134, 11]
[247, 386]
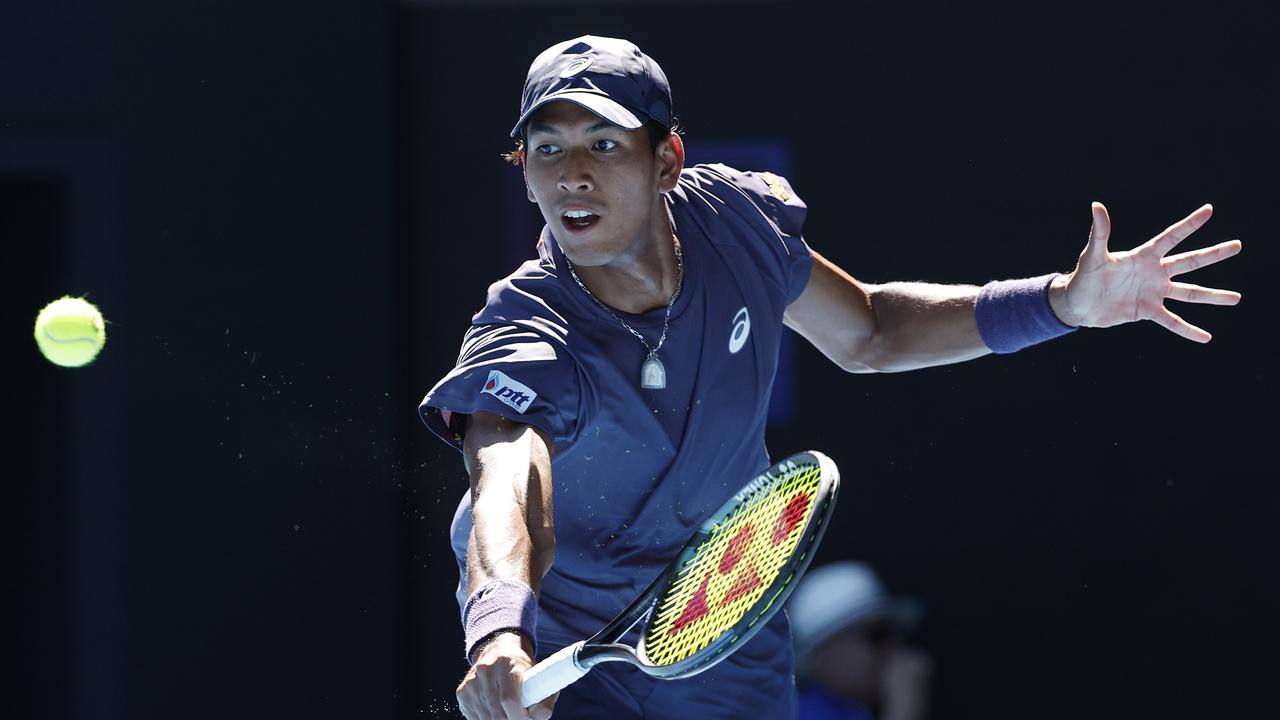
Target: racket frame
[605, 646]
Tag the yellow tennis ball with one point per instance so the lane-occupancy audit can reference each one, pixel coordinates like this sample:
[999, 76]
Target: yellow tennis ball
[70, 332]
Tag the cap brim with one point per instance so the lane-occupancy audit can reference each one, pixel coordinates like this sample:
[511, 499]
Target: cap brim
[601, 105]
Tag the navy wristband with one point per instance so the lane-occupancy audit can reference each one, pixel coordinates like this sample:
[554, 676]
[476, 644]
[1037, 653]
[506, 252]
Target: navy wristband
[1014, 314]
[499, 606]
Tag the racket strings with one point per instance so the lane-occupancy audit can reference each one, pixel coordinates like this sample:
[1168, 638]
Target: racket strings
[730, 571]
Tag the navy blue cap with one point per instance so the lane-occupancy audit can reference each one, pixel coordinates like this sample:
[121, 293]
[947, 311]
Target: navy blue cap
[608, 76]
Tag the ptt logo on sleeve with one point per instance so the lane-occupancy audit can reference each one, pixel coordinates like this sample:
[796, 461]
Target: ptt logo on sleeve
[512, 392]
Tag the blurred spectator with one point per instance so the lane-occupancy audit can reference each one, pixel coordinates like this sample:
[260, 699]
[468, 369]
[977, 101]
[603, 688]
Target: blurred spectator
[852, 662]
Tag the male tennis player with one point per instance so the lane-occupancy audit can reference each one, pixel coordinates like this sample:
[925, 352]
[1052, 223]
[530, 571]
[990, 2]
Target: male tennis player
[613, 392]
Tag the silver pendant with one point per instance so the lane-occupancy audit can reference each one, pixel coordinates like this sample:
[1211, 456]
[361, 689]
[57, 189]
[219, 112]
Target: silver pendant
[653, 376]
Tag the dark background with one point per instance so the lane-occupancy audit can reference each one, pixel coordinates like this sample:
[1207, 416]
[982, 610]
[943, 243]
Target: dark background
[288, 211]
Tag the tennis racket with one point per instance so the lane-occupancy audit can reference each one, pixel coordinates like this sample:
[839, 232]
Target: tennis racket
[728, 580]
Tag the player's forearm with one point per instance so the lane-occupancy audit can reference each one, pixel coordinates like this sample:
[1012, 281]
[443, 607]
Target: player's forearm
[885, 328]
[503, 547]
[920, 325]
[513, 534]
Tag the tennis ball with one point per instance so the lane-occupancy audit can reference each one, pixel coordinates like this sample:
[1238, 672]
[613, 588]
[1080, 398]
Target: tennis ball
[70, 332]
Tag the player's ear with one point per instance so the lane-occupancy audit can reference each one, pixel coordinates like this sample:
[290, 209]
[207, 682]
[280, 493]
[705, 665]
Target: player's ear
[670, 159]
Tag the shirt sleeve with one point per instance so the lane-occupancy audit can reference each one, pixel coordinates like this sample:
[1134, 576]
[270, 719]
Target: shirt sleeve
[783, 251]
[510, 371]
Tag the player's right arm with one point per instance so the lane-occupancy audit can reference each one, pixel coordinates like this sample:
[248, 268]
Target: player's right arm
[512, 538]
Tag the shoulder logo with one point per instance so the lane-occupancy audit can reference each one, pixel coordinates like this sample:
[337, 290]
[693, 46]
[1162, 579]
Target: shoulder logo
[741, 329]
[576, 65]
[777, 188]
[513, 393]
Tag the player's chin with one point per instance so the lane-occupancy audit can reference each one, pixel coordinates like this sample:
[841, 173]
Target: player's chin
[594, 247]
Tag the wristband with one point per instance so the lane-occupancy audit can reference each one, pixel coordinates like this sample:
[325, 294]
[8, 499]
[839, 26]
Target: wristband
[1014, 314]
[499, 606]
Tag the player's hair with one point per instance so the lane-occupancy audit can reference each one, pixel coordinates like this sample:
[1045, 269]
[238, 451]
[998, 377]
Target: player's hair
[657, 133]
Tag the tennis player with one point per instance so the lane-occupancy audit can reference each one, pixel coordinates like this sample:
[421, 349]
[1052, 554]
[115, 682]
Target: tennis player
[613, 391]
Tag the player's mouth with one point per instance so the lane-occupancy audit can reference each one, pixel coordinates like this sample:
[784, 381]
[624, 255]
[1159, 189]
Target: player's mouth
[578, 221]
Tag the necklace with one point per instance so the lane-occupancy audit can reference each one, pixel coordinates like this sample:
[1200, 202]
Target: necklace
[653, 374]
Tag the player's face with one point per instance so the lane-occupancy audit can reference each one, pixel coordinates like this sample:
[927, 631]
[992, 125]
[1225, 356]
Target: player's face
[851, 661]
[598, 186]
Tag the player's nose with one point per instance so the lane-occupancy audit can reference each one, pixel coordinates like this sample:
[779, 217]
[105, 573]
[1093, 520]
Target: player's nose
[576, 175]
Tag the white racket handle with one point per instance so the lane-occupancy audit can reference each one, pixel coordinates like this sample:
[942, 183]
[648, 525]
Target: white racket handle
[547, 677]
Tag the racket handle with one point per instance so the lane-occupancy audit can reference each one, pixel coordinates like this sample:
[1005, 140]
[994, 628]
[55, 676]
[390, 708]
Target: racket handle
[547, 677]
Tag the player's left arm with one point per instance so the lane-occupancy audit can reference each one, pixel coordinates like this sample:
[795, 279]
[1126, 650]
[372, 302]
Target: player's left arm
[891, 327]
[907, 325]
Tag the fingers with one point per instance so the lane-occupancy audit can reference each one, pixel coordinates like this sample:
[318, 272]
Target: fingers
[1099, 233]
[1188, 261]
[542, 711]
[1179, 231]
[469, 703]
[509, 693]
[474, 699]
[491, 691]
[1187, 292]
[1175, 324]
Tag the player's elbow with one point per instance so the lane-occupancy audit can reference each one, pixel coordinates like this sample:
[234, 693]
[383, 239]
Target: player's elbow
[854, 364]
[881, 355]
[857, 353]
[858, 368]
[881, 346]
[846, 347]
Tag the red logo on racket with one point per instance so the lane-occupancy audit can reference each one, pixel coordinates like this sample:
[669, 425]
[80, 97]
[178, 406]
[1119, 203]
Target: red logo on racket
[741, 546]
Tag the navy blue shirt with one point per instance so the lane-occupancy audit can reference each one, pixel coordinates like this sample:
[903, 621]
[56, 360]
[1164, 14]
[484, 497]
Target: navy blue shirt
[635, 471]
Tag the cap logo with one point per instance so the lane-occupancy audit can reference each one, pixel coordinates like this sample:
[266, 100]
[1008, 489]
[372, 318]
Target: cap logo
[776, 186]
[577, 65]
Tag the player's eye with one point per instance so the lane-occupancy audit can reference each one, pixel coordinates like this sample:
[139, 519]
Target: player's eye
[606, 145]
[547, 149]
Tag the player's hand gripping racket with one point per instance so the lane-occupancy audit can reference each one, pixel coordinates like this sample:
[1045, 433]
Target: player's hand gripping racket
[729, 579]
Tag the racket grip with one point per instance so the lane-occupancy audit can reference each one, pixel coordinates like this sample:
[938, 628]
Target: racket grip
[547, 677]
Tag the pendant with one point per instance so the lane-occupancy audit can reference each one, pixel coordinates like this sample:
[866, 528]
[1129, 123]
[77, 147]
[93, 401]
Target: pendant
[653, 376]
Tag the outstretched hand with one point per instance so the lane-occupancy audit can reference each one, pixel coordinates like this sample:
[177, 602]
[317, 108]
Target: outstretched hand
[1107, 288]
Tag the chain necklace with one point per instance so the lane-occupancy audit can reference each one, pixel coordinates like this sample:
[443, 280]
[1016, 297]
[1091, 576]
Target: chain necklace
[653, 374]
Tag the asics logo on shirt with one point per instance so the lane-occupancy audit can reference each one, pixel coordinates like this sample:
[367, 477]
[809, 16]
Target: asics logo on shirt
[741, 329]
[512, 392]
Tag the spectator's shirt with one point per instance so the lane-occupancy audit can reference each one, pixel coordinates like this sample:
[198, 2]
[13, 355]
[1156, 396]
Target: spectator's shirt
[635, 471]
[819, 703]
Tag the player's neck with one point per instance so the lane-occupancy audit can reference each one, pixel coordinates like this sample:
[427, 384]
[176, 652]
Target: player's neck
[641, 279]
